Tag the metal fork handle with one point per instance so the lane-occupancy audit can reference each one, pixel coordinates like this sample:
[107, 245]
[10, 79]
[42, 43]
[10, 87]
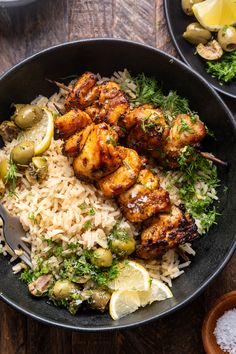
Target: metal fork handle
[3, 213]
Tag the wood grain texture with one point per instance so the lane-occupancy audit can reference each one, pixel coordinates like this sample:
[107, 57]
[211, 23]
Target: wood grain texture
[25, 31]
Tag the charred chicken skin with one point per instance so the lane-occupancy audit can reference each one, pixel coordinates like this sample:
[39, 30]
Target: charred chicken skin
[99, 156]
[98, 114]
[144, 199]
[166, 231]
[124, 177]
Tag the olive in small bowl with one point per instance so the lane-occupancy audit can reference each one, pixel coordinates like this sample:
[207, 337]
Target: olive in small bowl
[23, 153]
[196, 34]
[227, 38]
[211, 51]
[187, 6]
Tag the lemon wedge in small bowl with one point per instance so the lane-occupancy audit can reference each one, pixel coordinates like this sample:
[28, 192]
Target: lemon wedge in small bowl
[215, 14]
[41, 133]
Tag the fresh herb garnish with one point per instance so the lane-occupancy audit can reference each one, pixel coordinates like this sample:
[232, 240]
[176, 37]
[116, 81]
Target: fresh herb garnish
[146, 123]
[111, 140]
[184, 127]
[91, 212]
[32, 217]
[83, 206]
[87, 225]
[148, 91]
[223, 69]
[11, 177]
[119, 233]
[195, 171]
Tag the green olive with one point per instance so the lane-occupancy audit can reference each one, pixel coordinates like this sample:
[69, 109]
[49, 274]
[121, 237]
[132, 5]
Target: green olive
[28, 115]
[102, 257]
[4, 168]
[8, 130]
[99, 299]
[187, 6]
[210, 51]
[63, 289]
[123, 247]
[196, 34]
[227, 38]
[37, 169]
[23, 153]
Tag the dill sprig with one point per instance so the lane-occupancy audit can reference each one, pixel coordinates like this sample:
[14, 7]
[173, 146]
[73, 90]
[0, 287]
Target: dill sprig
[148, 91]
[11, 177]
[223, 69]
[197, 170]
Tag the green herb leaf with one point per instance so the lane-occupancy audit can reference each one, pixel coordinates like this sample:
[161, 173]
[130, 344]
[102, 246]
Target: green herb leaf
[11, 177]
[223, 69]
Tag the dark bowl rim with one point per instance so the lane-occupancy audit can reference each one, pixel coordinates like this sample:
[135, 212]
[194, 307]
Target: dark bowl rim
[183, 56]
[210, 278]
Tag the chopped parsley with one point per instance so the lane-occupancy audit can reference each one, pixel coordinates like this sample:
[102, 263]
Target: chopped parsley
[223, 69]
[83, 206]
[87, 225]
[32, 217]
[119, 233]
[91, 212]
[80, 266]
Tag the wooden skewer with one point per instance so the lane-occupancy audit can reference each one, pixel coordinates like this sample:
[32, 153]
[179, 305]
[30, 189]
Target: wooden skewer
[211, 157]
[62, 86]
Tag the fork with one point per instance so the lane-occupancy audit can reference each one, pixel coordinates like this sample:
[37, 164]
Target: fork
[13, 232]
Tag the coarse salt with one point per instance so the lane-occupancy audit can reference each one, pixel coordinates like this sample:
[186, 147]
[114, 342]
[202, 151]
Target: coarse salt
[225, 331]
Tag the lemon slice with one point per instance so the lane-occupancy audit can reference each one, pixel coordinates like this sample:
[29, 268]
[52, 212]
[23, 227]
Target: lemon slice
[214, 14]
[41, 133]
[131, 276]
[158, 292]
[123, 303]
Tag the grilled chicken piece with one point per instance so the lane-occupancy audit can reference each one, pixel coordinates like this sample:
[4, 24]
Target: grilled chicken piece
[144, 199]
[111, 104]
[124, 177]
[150, 130]
[84, 92]
[129, 120]
[166, 231]
[74, 145]
[71, 122]
[186, 131]
[99, 156]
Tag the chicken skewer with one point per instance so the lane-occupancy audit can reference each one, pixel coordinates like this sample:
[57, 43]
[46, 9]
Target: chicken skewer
[118, 172]
[145, 127]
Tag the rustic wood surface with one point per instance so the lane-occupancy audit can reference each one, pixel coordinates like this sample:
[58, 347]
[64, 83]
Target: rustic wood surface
[24, 31]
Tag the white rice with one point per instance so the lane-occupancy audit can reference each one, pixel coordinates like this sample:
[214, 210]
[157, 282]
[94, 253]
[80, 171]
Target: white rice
[56, 204]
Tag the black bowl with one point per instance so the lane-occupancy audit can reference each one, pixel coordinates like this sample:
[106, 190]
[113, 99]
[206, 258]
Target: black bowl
[27, 79]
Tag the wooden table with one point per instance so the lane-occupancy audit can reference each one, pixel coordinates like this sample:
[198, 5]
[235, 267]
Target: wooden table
[24, 31]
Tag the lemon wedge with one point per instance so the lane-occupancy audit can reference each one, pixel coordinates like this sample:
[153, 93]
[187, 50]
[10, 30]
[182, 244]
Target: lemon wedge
[41, 133]
[123, 303]
[214, 14]
[158, 292]
[131, 276]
